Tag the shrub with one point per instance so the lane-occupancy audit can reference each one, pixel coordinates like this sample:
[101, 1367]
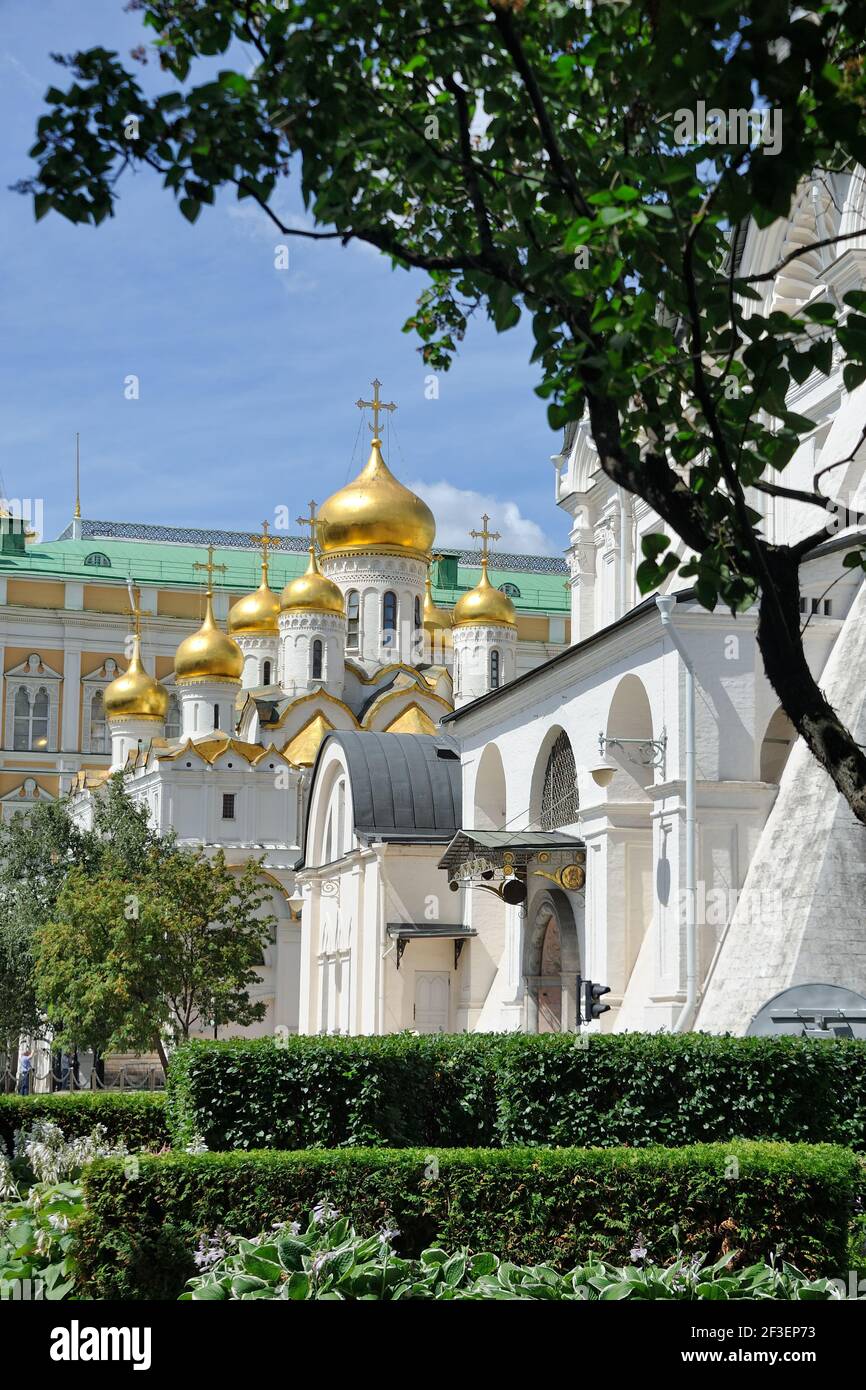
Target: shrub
[501, 1089]
[136, 1118]
[329, 1260]
[528, 1206]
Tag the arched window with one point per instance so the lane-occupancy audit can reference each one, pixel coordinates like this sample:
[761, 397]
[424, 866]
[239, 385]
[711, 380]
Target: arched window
[353, 616]
[98, 727]
[510, 589]
[456, 672]
[389, 617]
[317, 659]
[30, 732]
[216, 716]
[417, 612]
[172, 718]
[21, 738]
[266, 673]
[494, 669]
[98, 558]
[559, 804]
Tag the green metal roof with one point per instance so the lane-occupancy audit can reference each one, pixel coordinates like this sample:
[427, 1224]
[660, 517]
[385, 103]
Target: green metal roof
[170, 564]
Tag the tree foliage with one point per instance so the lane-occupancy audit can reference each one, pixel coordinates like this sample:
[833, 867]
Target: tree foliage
[532, 157]
[130, 960]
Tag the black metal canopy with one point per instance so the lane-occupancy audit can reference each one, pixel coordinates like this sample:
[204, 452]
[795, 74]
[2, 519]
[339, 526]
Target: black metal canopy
[500, 847]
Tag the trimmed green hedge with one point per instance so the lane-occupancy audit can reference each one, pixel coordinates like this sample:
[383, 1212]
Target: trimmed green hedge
[555, 1206]
[137, 1117]
[500, 1089]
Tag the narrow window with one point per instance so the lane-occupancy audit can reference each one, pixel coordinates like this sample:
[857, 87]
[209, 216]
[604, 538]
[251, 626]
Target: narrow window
[266, 673]
[172, 718]
[317, 659]
[98, 741]
[389, 618]
[228, 805]
[417, 613]
[39, 731]
[494, 669]
[353, 615]
[22, 719]
[216, 716]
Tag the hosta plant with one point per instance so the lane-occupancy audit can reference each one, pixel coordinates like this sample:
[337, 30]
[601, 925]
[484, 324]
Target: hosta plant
[39, 1200]
[330, 1260]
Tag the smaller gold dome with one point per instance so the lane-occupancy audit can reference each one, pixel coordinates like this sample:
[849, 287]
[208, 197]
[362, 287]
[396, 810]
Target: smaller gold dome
[209, 654]
[256, 613]
[135, 694]
[484, 604]
[313, 590]
[434, 618]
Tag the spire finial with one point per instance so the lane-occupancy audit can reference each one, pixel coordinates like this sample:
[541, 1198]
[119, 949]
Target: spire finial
[376, 405]
[211, 569]
[312, 522]
[77, 512]
[485, 535]
[264, 540]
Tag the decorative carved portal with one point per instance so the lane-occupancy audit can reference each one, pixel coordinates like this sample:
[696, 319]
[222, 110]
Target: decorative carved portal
[551, 964]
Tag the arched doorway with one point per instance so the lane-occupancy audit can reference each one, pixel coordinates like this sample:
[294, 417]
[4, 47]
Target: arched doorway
[551, 964]
[490, 791]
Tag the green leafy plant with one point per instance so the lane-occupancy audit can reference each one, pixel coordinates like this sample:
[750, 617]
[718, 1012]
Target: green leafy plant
[499, 1089]
[135, 1118]
[528, 1206]
[329, 1260]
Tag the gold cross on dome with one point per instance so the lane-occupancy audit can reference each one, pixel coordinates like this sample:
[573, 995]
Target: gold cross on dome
[311, 521]
[264, 540]
[485, 535]
[211, 569]
[376, 405]
[135, 608]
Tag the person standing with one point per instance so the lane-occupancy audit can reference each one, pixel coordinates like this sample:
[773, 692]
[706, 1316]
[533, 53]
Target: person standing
[25, 1067]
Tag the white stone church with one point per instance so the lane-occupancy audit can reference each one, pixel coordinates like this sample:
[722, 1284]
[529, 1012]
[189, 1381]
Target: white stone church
[455, 834]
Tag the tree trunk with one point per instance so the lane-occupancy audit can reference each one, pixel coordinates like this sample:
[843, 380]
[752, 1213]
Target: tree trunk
[161, 1053]
[801, 697]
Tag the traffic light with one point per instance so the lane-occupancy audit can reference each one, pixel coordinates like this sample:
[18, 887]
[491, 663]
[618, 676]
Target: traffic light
[592, 993]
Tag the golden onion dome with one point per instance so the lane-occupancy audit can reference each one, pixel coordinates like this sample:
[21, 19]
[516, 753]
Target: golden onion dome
[256, 613]
[209, 654]
[313, 590]
[433, 618]
[135, 694]
[376, 512]
[484, 604]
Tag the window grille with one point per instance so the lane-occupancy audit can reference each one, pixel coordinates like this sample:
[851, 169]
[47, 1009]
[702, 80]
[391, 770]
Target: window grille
[559, 804]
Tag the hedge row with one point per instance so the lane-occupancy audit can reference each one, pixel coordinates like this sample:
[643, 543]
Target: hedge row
[137, 1117]
[500, 1089]
[530, 1206]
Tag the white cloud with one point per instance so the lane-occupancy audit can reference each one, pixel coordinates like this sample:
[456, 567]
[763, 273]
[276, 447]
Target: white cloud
[459, 510]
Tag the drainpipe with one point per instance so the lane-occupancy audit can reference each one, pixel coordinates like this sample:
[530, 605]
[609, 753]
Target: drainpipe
[666, 604]
[623, 556]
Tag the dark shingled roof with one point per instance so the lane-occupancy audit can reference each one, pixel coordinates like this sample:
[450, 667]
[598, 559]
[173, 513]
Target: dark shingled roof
[405, 787]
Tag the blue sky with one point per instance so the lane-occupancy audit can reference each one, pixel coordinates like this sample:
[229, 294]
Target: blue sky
[247, 374]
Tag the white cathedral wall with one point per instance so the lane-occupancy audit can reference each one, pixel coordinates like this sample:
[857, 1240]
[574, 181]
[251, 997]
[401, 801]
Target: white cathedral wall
[299, 629]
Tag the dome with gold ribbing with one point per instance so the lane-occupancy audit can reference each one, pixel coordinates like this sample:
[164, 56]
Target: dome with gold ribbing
[256, 614]
[484, 604]
[312, 590]
[209, 654]
[375, 511]
[135, 694]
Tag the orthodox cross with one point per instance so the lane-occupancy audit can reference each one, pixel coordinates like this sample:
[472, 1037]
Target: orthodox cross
[135, 608]
[264, 540]
[484, 535]
[376, 406]
[312, 522]
[211, 569]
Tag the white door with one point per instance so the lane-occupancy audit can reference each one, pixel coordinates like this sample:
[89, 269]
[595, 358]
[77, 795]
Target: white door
[432, 1001]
